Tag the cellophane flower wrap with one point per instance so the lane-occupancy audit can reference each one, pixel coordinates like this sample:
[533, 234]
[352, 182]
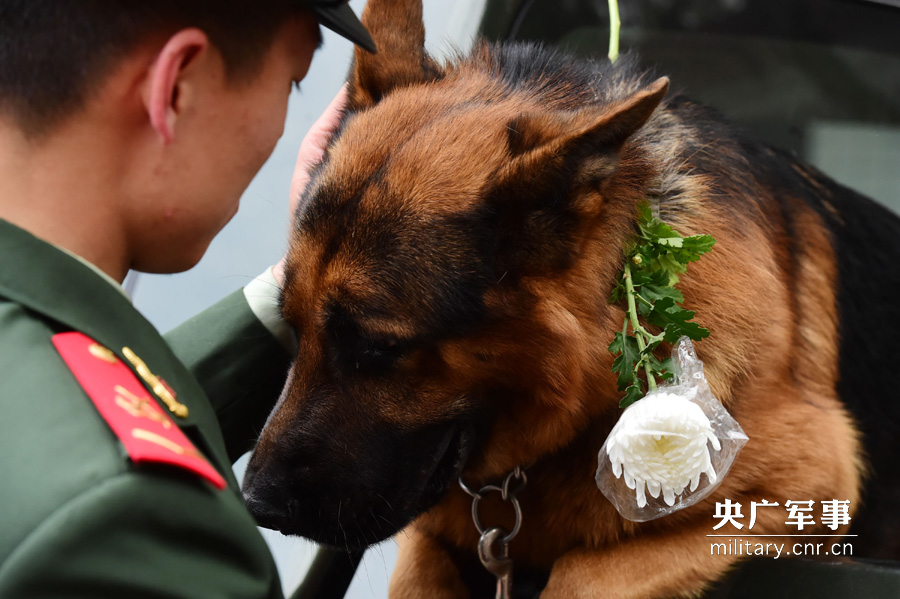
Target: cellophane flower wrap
[670, 449]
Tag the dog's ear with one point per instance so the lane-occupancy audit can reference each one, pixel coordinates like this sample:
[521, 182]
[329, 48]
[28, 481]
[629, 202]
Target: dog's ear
[577, 144]
[538, 197]
[398, 31]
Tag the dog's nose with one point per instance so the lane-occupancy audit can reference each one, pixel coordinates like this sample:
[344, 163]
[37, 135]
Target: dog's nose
[269, 512]
[267, 498]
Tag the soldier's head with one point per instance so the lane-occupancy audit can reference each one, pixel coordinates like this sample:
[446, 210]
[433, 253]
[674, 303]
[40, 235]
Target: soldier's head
[187, 96]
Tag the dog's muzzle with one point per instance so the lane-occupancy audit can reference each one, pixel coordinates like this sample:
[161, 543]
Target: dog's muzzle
[348, 496]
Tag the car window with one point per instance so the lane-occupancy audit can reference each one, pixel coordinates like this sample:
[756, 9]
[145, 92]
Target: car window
[820, 78]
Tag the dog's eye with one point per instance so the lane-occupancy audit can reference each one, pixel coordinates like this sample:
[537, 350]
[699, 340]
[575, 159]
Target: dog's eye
[357, 349]
[377, 353]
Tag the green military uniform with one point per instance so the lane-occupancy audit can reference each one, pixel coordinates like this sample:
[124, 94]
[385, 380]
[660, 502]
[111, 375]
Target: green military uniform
[79, 518]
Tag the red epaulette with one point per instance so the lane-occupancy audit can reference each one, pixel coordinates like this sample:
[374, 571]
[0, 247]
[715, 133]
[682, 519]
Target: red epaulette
[148, 433]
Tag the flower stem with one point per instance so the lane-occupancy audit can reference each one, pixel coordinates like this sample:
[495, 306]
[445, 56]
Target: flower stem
[614, 25]
[640, 332]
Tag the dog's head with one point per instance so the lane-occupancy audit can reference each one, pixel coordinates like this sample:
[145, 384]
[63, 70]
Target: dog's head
[438, 285]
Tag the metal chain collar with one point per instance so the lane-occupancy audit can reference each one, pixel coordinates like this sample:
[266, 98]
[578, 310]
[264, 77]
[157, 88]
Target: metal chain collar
[493, 546]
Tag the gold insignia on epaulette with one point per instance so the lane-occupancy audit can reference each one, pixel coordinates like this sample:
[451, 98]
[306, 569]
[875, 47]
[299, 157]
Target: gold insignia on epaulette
[159, 387]
[103, 353]
[140, 408]
[145, 435]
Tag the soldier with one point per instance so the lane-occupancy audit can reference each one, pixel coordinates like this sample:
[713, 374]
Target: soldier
[128, 132]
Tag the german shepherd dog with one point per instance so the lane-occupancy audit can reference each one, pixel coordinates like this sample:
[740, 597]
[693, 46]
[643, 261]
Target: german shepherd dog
[449, 279]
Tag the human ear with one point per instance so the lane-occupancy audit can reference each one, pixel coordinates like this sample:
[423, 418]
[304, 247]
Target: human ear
[164, 79]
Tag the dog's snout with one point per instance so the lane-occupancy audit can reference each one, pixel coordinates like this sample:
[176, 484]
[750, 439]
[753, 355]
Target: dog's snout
[268, 511]
[267, 496]
[282, 475]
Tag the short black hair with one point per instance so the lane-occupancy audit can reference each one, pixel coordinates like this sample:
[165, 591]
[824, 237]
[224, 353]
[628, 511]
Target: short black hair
[52, 52]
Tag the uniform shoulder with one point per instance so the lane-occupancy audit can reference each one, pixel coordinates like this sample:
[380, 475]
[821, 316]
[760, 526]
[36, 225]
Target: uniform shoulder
[143, 534]
[54, 442]
[76, 415]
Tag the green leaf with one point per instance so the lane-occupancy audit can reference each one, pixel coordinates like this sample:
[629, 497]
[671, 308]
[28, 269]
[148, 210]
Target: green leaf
[617, 346]
[693, 247]
[642, 308]
[671, 242]
[662, 368]
[655, 230]
[632, 394]
[626, 346]
[668, 265]
[645, 214]
[655, 259]
[653, 292]
[618, 293]
[700, 244]
[674, 320]
[648, 276]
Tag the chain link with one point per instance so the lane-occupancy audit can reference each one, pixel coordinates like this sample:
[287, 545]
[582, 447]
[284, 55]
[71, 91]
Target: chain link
[507, 492]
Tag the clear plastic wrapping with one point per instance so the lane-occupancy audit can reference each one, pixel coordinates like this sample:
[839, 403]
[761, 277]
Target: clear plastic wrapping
[670, 449]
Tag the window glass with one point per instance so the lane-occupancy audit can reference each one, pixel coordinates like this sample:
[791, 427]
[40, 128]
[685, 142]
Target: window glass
[818, 77]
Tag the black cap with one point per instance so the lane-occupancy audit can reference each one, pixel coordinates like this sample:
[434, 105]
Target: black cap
[340, 18]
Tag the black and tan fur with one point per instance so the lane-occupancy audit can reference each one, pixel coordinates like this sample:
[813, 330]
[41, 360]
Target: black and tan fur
[448, 283]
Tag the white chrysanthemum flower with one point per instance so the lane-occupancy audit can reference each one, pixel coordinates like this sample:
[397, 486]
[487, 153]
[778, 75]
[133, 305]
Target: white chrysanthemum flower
[661, 441]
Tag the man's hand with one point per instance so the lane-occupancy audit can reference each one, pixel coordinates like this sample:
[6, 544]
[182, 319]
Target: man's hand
[312, 149]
